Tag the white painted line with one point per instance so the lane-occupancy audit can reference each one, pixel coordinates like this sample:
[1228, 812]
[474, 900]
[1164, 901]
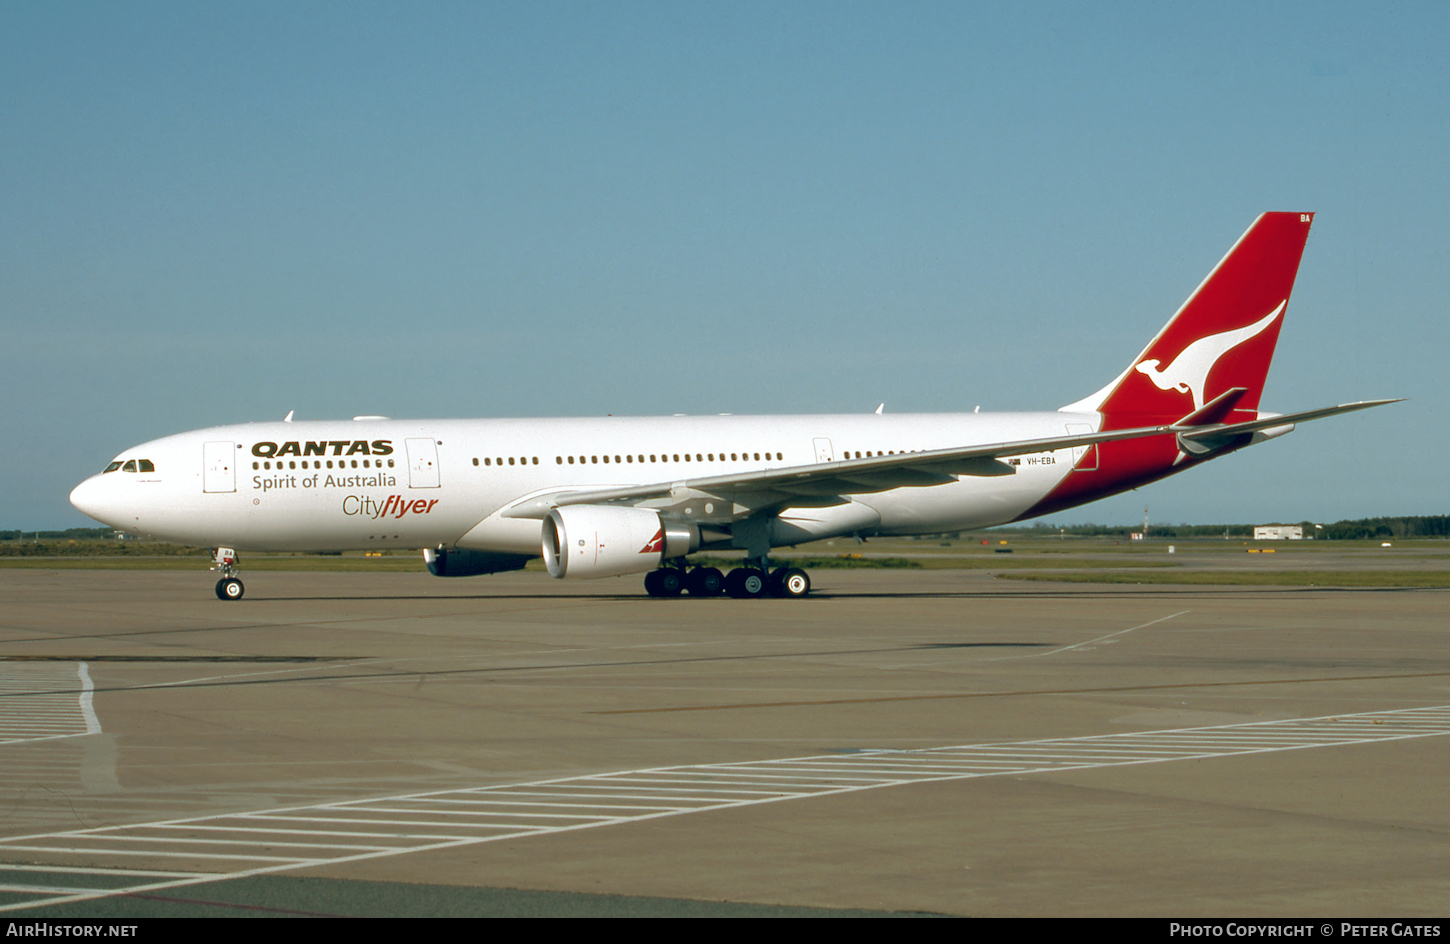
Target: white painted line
[218, 841]
[45, 701]
[88, 711]
[708, 790]
[592, 806]
[634, 796]
[48, 889]
[386, 822]
[706, 795]
[82, 870]
[331, 666]
[387, 809]
[604, 791]
[310, 832]
[150, 852]
[1121, 632]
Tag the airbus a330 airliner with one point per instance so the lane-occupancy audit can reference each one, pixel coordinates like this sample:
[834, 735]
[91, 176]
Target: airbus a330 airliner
[620, 495]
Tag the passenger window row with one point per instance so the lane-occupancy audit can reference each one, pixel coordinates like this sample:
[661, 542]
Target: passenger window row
[317, 464]
[667, 457]
[623, 459]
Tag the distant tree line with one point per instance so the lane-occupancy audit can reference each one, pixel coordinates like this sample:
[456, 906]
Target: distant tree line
[1157, 530]
[73, 534]
[1412, 526]
[1419, 526]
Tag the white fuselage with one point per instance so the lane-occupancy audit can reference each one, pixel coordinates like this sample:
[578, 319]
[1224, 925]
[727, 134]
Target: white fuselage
[377, 484]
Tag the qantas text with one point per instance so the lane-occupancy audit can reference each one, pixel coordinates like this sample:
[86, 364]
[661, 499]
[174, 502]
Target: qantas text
[345, 447]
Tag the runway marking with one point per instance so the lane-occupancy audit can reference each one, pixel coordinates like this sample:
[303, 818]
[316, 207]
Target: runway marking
[239, 675]
[50, 700]
[1161, 619]
[1018, 693]
[1087, 645]
[88, 690]
[235, 845]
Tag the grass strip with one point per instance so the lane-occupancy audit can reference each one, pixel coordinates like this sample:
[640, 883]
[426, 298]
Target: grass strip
[315, 563]
[1284, 578]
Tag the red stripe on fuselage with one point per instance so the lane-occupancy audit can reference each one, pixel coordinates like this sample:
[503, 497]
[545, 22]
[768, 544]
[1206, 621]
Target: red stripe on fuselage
[1120, 466]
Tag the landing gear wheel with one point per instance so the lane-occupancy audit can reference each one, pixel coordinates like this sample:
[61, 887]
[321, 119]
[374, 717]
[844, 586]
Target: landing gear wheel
[229, 588]
[665, 582]
[746, 583]
[705, 582]
[791, 582]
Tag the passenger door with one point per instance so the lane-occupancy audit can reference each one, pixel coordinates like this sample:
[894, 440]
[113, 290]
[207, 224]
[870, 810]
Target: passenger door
[422, 463]
[219, 467]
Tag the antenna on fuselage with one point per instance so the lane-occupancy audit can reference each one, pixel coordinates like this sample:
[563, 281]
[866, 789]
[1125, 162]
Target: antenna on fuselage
[288, 417]
[880, 408]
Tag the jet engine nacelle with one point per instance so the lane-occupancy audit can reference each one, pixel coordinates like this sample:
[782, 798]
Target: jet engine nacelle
[582, 541]
[459, 563]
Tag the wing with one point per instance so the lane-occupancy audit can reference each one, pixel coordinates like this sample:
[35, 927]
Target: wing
[825, 483]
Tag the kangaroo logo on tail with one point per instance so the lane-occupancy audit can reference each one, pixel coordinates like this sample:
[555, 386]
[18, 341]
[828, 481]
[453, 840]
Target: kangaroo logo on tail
[1190, 369]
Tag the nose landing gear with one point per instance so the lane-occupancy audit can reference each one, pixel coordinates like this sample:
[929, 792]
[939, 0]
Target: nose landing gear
[229, 587]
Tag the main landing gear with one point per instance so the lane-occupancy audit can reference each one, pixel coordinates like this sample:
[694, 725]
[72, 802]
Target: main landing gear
[229, 587]
[672, 581]
[743, 583]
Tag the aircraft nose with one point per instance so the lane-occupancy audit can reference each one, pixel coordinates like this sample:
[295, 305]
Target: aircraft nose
[90, 497]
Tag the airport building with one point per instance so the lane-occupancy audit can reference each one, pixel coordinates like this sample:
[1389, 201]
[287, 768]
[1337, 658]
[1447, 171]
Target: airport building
[1279, 532]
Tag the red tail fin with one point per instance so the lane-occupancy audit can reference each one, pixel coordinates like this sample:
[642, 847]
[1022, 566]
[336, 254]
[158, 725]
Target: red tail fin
[1223, 336]
[1207, 365]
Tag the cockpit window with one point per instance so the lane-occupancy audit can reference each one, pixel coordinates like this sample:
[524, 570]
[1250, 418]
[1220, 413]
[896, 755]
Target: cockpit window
[130, 466]
[146, 465]
[112, 467]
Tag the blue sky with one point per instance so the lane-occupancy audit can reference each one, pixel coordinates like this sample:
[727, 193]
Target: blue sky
[217, 213]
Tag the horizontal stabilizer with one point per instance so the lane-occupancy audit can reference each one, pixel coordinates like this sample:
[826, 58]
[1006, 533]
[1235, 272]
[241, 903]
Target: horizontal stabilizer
[1215, 411]
[1201, 440]
[1288, 419]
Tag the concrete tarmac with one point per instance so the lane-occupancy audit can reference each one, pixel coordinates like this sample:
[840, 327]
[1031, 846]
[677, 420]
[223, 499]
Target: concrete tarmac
[317, 688]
